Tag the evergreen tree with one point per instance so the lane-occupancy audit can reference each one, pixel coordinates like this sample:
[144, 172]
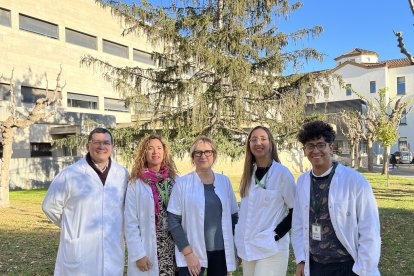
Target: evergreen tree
[219, 69]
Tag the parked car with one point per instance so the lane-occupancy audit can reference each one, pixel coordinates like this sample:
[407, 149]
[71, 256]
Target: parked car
[403, 157]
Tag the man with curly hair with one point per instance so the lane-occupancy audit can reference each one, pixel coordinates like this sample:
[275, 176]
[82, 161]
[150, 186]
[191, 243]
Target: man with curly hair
[335, 224]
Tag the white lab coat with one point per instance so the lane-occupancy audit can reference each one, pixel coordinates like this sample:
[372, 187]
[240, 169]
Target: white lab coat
[140, 228]
[90, 216]
[354, 215]
[261, 211]
[187, 200]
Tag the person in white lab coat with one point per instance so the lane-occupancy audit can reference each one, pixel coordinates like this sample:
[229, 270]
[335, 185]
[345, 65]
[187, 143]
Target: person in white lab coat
[267, 193]
[201, 214]
[335, 225]
[150, 245]
[86, 200]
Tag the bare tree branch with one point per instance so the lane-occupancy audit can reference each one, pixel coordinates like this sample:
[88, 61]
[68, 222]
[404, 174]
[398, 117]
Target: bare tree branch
[402, 47]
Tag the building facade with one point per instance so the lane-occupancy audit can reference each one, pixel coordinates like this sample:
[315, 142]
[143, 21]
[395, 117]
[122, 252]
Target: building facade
[362, 72]
[37, 40]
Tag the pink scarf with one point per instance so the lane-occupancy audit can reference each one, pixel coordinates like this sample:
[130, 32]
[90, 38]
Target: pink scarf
[151, 177]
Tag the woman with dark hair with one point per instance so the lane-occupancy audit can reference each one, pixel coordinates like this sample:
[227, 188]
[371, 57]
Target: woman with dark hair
[150, 245]
[267, 193]
[201, 214]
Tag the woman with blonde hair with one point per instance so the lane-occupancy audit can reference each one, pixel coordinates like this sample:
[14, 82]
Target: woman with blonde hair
[150, 245]
[267, 193]
[201, 214]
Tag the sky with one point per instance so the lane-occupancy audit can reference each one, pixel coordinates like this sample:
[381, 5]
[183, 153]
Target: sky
[349, 24]
[366, 24]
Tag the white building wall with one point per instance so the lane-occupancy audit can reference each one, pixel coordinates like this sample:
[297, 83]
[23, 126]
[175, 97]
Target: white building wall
[359, 77]
[36, 60]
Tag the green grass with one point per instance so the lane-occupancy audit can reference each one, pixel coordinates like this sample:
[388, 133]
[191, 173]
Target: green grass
[28, 242]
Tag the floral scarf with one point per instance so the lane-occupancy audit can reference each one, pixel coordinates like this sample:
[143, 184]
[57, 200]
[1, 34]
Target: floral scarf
[151, 178]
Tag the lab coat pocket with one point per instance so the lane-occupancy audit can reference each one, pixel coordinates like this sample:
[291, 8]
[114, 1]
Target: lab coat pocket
[264, 242]
[268, 198]
[72, 253]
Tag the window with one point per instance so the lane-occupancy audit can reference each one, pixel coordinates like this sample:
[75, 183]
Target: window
[403, 144]
[348, 89]
[403, 119]
[143, 57]
[4, 92]
[1, 150]
[115, 49]
[82, 101]
[115, 105]
[372, 87]
[5, 18]
[38, 26]
[32, 94]
[40, 149]
[81, 39]
[400, 85]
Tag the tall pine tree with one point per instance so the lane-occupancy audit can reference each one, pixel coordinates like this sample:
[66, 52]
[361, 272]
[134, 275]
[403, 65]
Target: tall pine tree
[219, 69]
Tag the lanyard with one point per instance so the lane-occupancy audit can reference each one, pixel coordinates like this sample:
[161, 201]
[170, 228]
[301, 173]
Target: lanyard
[317, 203]
[263, 186]
[164, 192]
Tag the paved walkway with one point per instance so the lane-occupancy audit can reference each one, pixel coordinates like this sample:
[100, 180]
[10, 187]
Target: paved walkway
[406, 170]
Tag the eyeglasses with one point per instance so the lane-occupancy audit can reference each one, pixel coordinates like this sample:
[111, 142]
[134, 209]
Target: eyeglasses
[100, 143]
[207, 153]
[254, 140]
[319, 146]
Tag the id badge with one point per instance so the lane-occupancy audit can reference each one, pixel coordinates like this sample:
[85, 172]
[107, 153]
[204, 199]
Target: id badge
[316, 232]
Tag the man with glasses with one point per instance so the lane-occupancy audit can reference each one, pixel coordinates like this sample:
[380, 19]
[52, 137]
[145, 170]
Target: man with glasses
[86, 201]
[335, 224]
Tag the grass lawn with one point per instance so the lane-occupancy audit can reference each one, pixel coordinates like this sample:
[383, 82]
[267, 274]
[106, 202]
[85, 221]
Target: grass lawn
[28, 242]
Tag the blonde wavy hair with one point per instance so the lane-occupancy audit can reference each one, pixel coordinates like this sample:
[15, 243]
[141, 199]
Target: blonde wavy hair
[140, 160]
[250, 160]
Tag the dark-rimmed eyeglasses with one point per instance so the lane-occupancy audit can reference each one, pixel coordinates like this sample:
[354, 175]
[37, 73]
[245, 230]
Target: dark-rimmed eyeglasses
[199, 153]
[319, 146]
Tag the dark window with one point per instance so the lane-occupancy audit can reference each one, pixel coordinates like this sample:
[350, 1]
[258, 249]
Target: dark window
[5, 18]
[31, 94]
[38, 26]
[81, 39]
[402, 144]
[372, 87]
[143, 57]
[40, 149]
[348, 89]
[4, 92]
[403, 120]
[115, 105]
[401, 85]
[1, 150]
[82, 101]
[115, 49]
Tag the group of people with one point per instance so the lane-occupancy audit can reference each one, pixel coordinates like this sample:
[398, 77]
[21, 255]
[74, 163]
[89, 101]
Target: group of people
[191, 224]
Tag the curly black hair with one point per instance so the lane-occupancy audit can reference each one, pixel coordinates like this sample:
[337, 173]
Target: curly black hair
[315, 130]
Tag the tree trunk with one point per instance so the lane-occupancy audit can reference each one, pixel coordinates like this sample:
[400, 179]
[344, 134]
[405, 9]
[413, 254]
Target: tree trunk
[5, 166]
[370, 156]
[352, 155]
[357, 156]
[386, 160]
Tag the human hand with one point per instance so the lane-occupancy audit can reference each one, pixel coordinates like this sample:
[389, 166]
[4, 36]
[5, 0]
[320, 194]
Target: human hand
[144, 264]
[193, 264]
[300, 269]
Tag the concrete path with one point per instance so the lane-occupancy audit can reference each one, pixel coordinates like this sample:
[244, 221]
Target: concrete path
[406, 170]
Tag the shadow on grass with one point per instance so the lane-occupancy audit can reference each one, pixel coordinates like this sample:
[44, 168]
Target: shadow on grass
[30, 252]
